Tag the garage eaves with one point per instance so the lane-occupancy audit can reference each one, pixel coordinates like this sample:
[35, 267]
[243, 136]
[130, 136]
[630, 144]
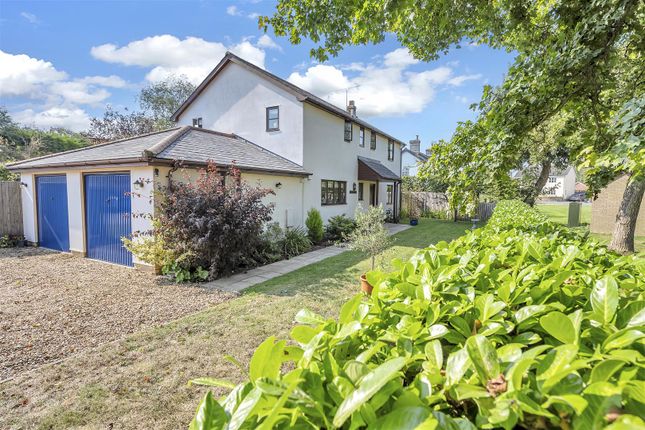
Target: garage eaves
[188, 146]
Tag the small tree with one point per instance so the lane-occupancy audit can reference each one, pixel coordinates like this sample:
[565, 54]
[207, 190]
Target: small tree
[370, 235]
[314, 225]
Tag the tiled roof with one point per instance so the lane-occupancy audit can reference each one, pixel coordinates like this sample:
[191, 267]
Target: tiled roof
[187, 144]
[418, 155]
[376, 166]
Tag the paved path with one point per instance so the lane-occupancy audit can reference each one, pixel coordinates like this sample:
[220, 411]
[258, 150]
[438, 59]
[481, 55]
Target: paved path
[242, 281]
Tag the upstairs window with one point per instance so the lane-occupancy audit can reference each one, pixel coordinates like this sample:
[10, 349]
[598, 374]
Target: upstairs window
[273, 118]
[552, 179]
[390, 149]
[333, 192]
[348, 131]
[197, 122]
[361, 137]
[373, 141]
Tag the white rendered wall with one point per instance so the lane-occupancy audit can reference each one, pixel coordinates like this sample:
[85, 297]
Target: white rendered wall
[236, 101]
[142, 202]
[75, 211]
[287, 200]
[411, 163]
[28, 193]
[569, 183]
[328, 156]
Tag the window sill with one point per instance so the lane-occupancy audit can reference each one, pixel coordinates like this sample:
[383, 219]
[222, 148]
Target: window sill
[272, 129]
[333, 204]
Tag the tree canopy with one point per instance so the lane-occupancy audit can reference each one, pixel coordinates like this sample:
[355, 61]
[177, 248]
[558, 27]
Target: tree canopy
[580, 62]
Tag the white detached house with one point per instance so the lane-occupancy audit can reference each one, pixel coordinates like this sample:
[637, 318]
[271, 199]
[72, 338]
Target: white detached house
[311, 153]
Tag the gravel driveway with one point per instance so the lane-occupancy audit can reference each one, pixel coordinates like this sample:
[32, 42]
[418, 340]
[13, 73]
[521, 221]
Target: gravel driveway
[53, 305]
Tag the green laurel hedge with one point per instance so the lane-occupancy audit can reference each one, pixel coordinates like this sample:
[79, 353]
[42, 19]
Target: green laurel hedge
[504, 327]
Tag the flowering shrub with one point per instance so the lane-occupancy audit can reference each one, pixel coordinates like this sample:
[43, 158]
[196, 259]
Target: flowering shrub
[215, 224]
[497, 329]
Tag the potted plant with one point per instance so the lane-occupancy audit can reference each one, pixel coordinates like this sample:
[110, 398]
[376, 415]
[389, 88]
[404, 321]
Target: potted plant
[414, 215]
[370, 237]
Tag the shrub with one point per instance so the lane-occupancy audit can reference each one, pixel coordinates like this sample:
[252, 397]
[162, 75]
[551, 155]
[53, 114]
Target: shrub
[11, 241]
[215, 225]
[370, 235]
[498, 329]
[338, 227]
[270, 248]
[295, 242]
[516, 214]
[314, 225]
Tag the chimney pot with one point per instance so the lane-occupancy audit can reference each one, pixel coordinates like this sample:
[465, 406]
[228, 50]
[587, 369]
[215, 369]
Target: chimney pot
[351, 108]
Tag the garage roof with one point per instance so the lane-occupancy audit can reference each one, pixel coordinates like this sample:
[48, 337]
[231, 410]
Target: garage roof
[190, 145]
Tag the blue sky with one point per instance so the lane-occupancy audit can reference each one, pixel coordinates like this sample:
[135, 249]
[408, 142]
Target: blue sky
[62, 62]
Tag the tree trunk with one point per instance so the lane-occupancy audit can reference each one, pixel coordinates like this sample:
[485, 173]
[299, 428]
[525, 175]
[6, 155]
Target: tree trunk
[540, 182]
[622, 241]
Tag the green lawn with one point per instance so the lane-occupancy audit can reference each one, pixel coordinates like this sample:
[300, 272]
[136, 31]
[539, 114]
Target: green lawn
[559, 212]
[141, 381]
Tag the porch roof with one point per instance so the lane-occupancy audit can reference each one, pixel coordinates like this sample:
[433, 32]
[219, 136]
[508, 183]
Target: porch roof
[372, 170]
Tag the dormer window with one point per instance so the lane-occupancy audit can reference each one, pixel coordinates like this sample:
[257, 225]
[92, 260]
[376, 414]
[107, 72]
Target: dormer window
[273, 118]
[197, 122]
[348, 131]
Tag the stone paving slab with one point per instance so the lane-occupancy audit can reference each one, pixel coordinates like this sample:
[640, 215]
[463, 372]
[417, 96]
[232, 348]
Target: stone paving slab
[242, 281]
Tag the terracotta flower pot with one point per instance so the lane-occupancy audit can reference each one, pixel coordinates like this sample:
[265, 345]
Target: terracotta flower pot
[366, 287]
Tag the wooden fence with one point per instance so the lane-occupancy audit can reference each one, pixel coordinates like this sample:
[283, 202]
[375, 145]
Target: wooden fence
[10, 209]
[436, 205]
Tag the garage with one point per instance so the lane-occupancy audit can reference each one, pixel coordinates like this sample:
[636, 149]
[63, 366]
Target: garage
[108, 216]
[53, 221]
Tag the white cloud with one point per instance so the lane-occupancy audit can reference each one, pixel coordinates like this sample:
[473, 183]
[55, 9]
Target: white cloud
[33, 19]
[233, 10]
[75, 119]
[385, 87]
[462, 99]
[266, 42]
[23, 75]
[168, 55]
[58, 97]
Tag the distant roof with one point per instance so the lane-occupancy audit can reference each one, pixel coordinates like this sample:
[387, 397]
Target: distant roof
[418, 155]
[377, 168]
[302, 95]
[191, 145]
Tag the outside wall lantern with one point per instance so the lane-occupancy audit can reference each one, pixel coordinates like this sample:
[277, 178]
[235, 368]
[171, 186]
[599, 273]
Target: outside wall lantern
[278, 185]
[138, 184]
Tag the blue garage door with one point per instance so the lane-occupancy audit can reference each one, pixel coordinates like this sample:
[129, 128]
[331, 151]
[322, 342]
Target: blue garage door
[107, 217]
[53, 224]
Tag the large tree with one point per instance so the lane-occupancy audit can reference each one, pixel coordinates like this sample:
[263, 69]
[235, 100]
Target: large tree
[580, 59]
[157, 102]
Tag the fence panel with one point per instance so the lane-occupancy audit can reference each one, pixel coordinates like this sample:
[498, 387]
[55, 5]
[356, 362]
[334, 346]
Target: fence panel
[10, 208]
[485, 210]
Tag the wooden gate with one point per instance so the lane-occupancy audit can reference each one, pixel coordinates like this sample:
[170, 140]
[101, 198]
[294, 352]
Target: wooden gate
[10, 209]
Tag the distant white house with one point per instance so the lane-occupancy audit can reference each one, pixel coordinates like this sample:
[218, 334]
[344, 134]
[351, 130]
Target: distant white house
[561, 184]
[412, 158]
[311, 153]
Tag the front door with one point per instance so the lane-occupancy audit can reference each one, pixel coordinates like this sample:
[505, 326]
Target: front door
[372, 194]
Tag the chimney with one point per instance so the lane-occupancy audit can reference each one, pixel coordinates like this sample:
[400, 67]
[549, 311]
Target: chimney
[415, 145]
[351, 108]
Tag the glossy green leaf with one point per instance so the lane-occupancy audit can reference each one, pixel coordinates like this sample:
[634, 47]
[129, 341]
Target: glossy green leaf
[559, 326]
[368, 386]
[484, 357]
[210, 415]
[604, 299]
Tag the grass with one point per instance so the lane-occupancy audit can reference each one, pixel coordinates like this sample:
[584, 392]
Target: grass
[559, 212]
[141, 381]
